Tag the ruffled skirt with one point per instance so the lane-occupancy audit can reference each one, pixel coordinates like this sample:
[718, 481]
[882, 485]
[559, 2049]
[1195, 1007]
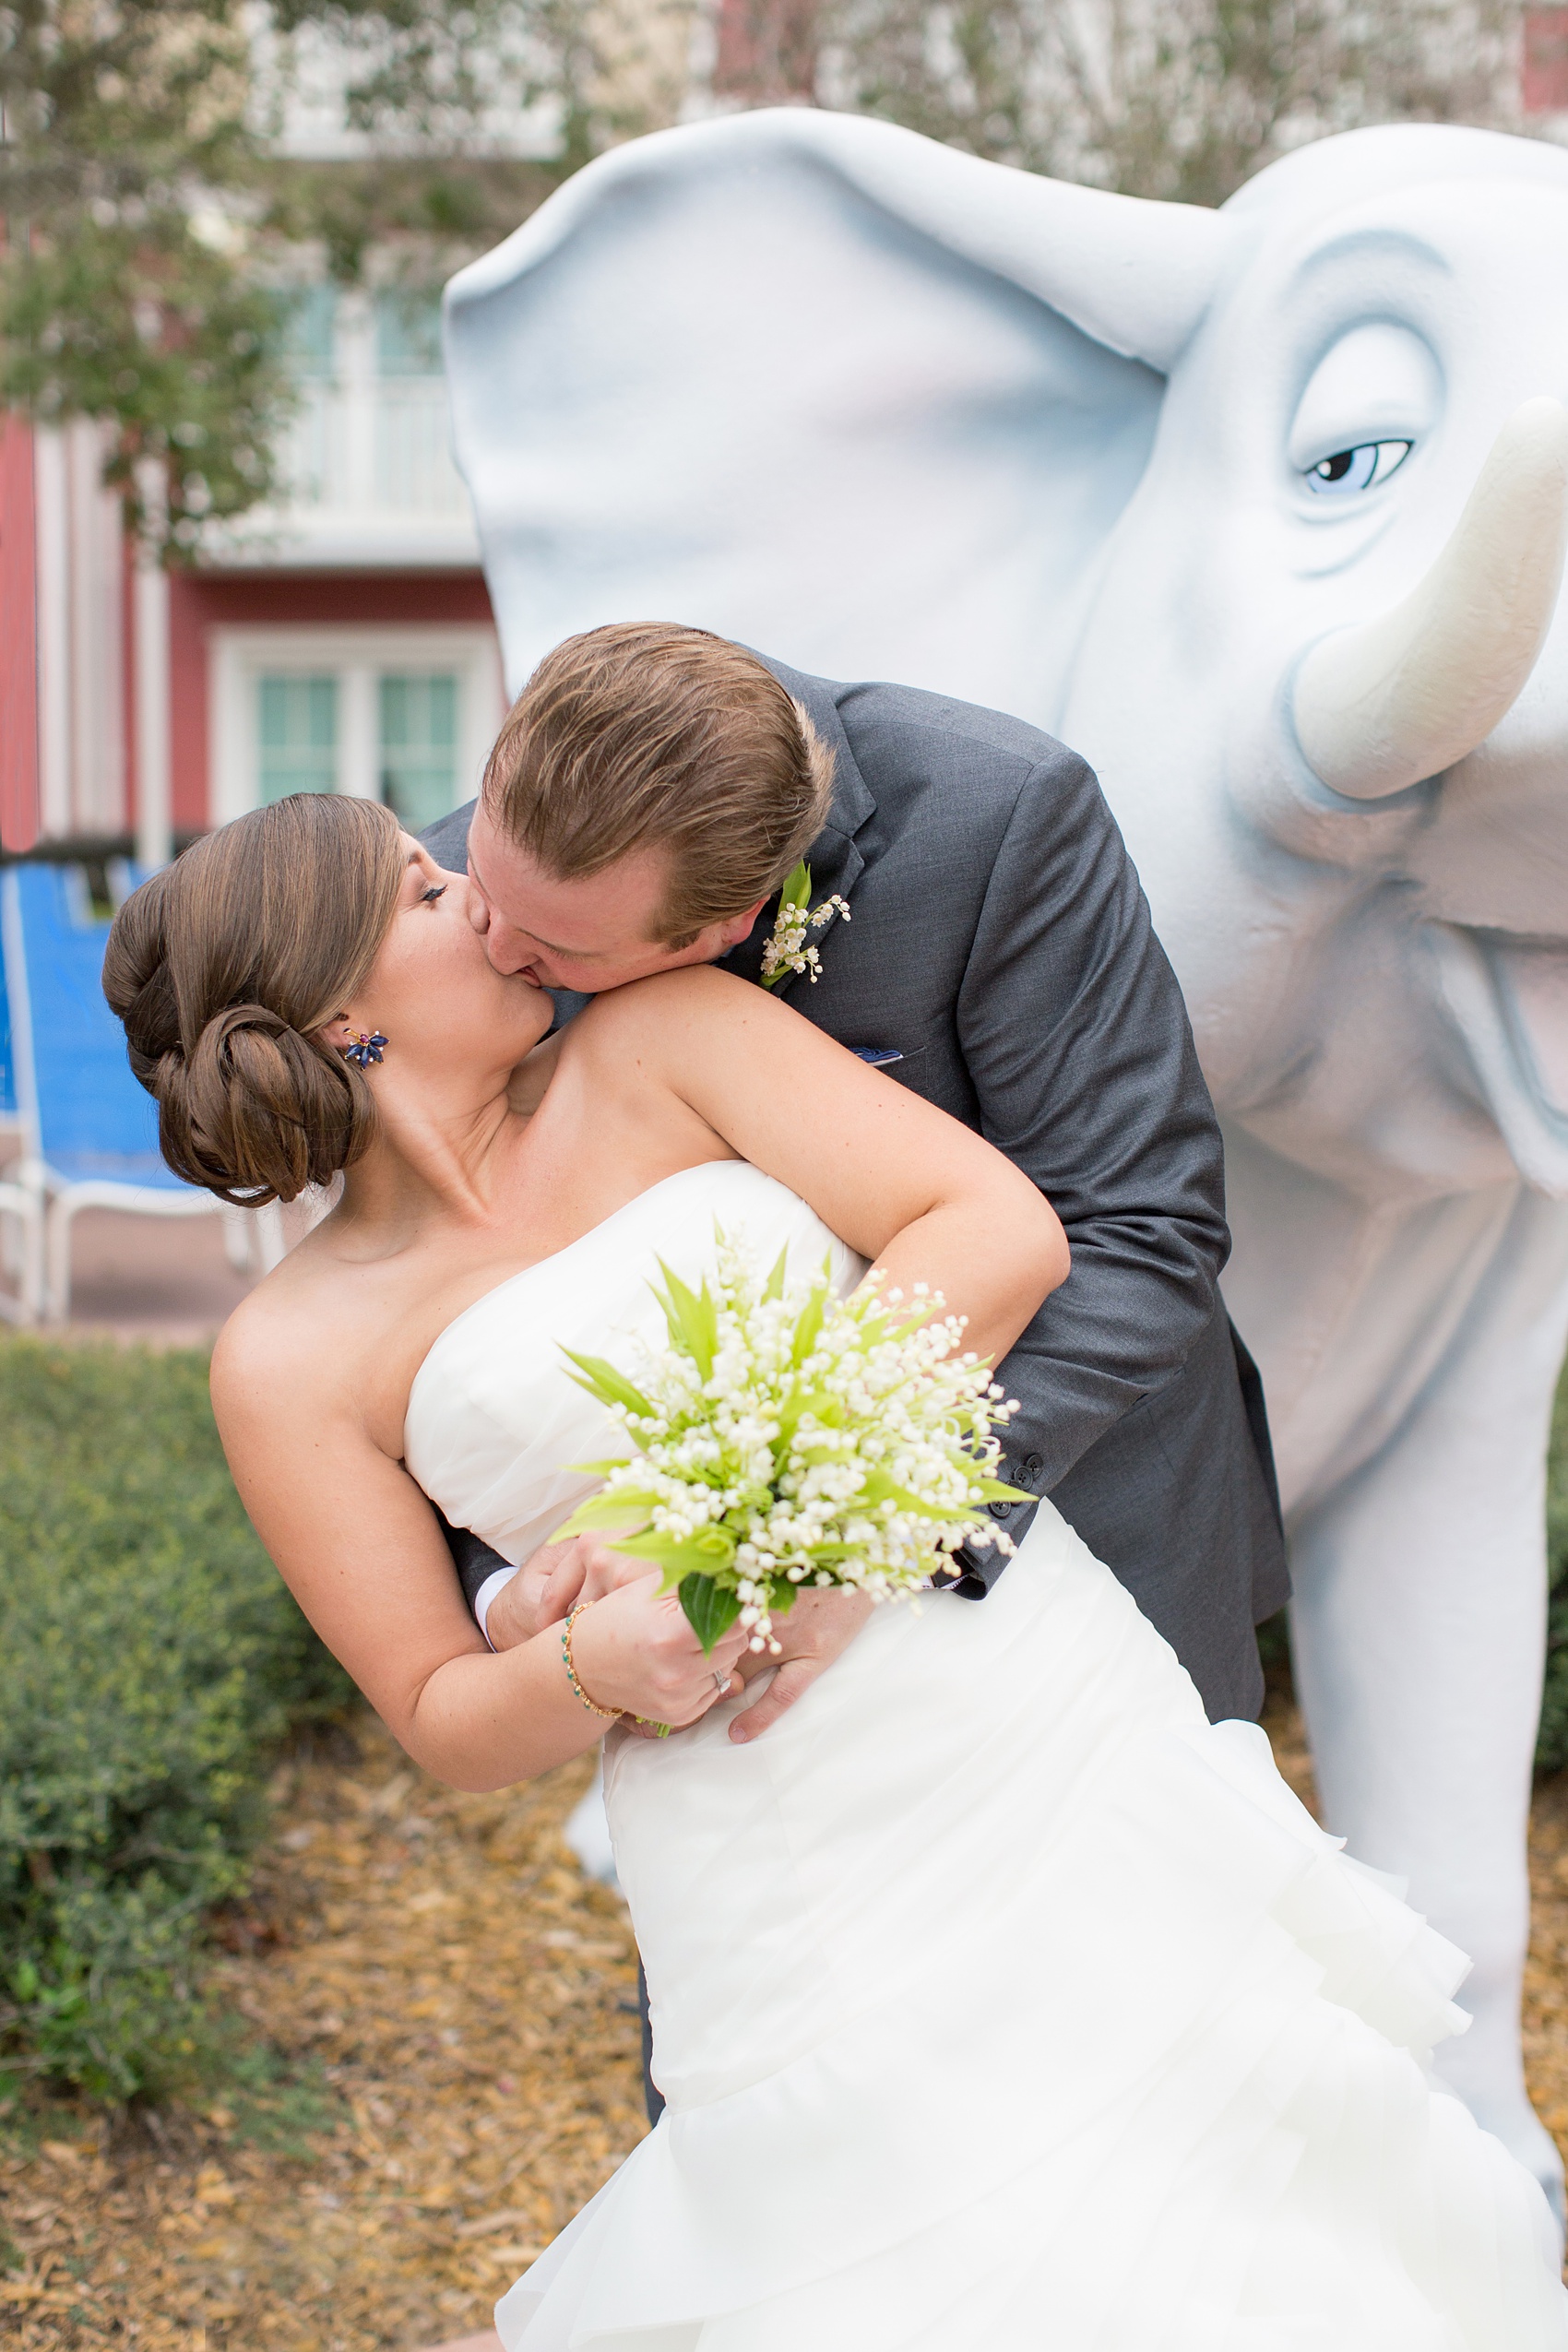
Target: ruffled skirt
[1004, 2004]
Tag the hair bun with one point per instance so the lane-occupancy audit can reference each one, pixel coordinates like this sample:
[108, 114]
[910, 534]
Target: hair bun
[258, 1112]
[223, 968]
[139, 984]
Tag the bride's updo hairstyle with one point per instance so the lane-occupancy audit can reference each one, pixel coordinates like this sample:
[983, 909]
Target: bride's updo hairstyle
[224, 964]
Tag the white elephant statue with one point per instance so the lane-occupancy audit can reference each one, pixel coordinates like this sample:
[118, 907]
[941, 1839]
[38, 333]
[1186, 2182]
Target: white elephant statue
[1262, 510]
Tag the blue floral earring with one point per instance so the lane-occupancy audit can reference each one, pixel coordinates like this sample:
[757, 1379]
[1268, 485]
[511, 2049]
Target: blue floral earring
[362, 1051]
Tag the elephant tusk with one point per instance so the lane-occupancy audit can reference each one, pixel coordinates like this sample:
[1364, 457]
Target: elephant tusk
[1382, 707]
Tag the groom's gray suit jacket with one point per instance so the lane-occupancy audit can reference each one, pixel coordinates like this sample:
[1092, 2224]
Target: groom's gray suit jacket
[1000, 944]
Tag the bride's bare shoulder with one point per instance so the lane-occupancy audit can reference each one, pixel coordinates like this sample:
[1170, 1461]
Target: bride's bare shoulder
[665, 1005]
[285, 1345]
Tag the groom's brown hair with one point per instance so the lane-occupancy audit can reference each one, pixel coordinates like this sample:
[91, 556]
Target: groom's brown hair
[649, 735]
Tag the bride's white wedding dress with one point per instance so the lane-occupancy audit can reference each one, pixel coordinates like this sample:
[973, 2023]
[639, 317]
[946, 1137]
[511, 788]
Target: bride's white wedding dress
[1002, 2003]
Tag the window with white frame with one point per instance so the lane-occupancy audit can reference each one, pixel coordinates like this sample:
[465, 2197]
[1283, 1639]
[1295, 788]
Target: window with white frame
[419, 748]
[296, 735]
[371, 428]
[404, 715]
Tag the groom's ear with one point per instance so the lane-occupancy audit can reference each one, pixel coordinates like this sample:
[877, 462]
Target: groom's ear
[739, 927]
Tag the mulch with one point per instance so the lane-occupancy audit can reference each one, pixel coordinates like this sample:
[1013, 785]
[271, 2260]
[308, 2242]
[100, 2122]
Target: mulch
[455, 2005]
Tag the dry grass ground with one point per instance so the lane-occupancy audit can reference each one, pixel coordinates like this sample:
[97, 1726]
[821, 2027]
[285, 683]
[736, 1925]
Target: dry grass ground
[466, 2000]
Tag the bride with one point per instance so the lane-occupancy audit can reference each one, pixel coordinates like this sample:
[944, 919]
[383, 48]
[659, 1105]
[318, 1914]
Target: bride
[1001, 2002]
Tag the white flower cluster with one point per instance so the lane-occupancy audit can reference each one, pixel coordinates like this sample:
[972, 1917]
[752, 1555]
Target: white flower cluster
[787, 1437]
[787, 951]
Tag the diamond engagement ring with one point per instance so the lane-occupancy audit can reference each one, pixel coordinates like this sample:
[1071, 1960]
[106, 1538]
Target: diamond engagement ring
[721, 1680]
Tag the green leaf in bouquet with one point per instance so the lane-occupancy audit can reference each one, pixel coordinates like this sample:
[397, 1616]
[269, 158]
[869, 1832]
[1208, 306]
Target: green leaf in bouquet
[808, 1326]
[682, 1555]
[693, 1319]
[747, 1499]
[812, 1458]
[617, 1507]
[795, 1402]
[878, 1487]
[992, 1490]
[774, 1288]
[710, 1608]
[601, 1380]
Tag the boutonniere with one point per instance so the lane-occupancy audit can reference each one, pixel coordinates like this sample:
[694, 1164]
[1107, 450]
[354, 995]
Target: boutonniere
[785, 951]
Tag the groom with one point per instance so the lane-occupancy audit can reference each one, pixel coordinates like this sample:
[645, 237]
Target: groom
[997, 958]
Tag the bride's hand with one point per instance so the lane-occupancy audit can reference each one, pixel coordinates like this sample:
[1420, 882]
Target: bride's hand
[636, 1650]
[556, 1577]
[818, 1629]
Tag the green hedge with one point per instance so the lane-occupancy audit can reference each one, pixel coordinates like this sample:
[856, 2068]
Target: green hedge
[149, 1660]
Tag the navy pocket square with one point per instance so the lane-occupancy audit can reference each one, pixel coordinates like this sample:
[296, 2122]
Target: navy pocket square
[879, 1056]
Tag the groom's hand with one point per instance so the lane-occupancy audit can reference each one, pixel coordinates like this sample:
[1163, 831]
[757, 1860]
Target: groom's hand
[554, 1580]
[818, 1629]
[538, 1595]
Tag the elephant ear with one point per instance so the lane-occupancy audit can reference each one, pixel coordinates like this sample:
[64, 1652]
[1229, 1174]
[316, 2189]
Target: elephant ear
[809, 380]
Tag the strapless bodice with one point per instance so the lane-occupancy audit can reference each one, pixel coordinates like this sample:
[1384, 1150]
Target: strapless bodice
[494, 1417]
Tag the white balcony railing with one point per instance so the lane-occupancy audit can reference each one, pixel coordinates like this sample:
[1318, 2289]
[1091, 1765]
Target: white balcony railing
[364, 466]
[380, 449]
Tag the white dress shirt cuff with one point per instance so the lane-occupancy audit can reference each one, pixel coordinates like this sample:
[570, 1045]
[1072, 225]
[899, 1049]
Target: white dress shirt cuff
[496, 1583]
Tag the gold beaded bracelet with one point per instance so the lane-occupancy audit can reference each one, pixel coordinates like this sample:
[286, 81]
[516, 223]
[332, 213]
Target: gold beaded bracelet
[610, 1714]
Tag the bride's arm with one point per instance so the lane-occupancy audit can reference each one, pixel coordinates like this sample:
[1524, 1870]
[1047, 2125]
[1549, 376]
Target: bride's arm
[920, 1195]
[910, 1188]
[358, 1545]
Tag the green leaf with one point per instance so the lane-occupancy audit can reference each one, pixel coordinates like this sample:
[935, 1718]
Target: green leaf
[797, 890]
[682, 1556]
[601, 1380]
[878, 1487]
[693, 1319]
[808, 1328]
[775, 1287]
[620, 1507]
[712, 1609]
[995, 1491]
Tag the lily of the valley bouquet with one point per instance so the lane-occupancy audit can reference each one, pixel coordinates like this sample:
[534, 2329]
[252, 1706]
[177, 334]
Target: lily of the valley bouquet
[785, 1436]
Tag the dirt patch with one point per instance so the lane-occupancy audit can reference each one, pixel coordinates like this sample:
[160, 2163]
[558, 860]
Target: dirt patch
[453, 2006]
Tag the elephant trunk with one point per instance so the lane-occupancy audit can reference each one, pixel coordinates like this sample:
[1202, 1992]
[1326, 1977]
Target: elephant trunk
[1384, 706]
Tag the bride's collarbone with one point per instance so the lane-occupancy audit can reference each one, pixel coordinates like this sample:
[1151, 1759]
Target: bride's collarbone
[389, 1306]
[390, 1293]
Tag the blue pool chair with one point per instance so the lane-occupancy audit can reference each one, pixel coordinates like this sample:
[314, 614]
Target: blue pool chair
[21, 1226]
[89, 1131]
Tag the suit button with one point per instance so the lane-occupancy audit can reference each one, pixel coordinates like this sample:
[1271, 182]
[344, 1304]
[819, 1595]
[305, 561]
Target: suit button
[999, 1510]
[1031, 1463]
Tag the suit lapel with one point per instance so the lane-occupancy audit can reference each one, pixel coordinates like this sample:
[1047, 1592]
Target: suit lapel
[835, 863]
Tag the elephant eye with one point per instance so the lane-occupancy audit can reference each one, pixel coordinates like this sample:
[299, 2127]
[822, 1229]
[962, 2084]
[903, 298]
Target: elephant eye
[1359, 468]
